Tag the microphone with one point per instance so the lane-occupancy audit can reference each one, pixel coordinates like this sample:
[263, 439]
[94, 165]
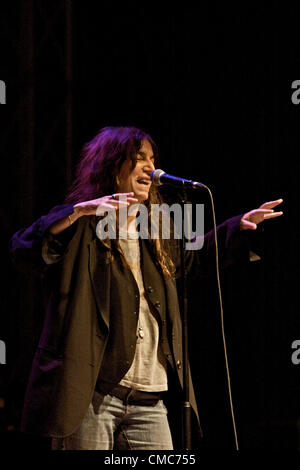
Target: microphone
[159, 177]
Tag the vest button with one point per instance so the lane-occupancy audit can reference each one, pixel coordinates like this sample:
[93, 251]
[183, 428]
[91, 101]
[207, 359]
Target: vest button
[178, 363]
[150, 289]
[157, 304]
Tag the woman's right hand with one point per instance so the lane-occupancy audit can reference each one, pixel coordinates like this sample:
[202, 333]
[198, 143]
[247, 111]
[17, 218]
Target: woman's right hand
[98, 206]
[104, 204]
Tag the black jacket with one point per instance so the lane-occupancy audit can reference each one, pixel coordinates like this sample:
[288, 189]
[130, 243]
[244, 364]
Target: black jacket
[76, 273]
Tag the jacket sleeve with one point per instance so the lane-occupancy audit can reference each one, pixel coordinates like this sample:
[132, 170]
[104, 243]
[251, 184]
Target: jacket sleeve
[234, 247]
[34, 247]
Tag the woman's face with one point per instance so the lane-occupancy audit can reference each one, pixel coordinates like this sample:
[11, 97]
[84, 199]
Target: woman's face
[137, 180]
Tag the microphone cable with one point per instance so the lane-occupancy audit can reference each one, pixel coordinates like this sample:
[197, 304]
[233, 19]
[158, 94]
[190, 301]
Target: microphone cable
[222, 319]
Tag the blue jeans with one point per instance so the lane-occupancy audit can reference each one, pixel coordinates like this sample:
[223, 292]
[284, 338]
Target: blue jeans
[109, 424]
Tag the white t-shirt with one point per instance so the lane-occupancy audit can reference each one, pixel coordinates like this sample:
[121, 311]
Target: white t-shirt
[148, 370]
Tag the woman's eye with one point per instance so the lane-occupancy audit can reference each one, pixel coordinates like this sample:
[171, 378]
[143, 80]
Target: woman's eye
[141, 157]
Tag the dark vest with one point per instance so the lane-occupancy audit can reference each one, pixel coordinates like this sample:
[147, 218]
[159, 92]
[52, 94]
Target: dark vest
[124, 312]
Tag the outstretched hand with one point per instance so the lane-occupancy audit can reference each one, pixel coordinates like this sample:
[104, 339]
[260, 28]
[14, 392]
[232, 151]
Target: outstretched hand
[99, 206]
[251, 219]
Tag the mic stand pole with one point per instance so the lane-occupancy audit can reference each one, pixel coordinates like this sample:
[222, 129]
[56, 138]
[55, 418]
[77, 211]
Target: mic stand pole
[186, 406]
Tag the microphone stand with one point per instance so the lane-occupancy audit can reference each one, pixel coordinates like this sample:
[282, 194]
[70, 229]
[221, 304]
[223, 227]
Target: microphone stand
[186, 406]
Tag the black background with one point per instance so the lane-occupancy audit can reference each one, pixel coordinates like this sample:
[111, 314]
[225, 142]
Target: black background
[212, 85]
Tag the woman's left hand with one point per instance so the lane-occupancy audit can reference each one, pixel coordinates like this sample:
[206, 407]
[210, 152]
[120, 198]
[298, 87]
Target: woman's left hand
[251, 219]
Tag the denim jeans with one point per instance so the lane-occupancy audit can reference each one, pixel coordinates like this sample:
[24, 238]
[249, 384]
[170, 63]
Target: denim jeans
[110, 424]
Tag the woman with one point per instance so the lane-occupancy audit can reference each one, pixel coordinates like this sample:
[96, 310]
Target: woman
[110, 349]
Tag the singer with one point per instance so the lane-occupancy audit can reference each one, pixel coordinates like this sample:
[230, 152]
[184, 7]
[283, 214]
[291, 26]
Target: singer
[107, 370]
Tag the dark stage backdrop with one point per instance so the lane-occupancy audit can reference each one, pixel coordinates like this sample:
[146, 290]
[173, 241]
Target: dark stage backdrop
[213, 86]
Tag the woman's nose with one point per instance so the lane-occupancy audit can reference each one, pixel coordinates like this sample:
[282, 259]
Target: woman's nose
[149, 167]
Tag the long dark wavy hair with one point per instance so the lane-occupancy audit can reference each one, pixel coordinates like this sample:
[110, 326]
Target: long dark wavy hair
[98, 170]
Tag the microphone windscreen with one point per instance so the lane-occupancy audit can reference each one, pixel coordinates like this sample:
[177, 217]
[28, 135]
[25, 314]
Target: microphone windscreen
[155, 177]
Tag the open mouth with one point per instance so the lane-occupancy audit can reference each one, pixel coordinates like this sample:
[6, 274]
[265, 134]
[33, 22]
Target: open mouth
[144, 181]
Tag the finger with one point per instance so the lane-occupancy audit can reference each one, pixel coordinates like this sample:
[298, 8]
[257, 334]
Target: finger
[122, 203]
[262, 211]
[132, 199]
[107, 206]
[271, 204]
[123, 195]
[116, 204]
[104, 208]
[123, 198]
[272, 216]
[119, 202]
